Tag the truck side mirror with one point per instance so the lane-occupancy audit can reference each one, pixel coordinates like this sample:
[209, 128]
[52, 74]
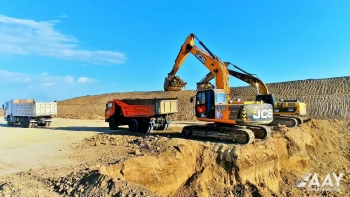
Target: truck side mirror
[3, 106]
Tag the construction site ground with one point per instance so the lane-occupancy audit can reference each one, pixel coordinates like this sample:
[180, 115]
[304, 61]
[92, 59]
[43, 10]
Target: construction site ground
[84, 158]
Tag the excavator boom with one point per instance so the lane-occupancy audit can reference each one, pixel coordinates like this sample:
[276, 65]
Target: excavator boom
[245, 77]
[212, 62]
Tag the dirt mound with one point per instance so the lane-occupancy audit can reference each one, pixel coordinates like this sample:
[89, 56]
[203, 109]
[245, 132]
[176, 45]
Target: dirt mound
[178, 167]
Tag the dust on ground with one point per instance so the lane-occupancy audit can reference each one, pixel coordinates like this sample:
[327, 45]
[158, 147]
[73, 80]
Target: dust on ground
[87, 159]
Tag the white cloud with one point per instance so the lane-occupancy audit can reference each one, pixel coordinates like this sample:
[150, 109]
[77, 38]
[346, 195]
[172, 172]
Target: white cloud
[42, 80]
[29, 37]
[44, 86]
[85, 80]
[13, 77]
[68, 79]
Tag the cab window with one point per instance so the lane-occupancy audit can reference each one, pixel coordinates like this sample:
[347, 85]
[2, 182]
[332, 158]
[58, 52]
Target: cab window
[109, 105]
[201, 98]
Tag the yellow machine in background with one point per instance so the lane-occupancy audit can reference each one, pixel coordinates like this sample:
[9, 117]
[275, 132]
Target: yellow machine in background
[287, 112]
[240, 122]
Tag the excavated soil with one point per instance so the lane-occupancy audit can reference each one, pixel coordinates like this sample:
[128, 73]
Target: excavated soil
[165, 164]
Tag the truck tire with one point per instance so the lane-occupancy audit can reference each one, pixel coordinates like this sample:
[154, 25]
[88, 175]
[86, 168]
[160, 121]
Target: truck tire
[26, 123]
[133, 125]
[21, 122]
[145, 126]
[9, 123]
[113, 124]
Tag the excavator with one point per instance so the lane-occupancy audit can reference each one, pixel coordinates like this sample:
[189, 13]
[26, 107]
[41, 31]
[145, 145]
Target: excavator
[286, 112]
[238, 122]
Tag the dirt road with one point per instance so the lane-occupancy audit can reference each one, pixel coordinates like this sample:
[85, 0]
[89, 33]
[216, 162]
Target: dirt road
[43, 147]
[26, 148]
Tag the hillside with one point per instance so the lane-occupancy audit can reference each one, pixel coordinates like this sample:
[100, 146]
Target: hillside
[325, 98]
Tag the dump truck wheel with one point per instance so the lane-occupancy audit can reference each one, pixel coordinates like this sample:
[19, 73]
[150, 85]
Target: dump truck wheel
[145, 127]
[26, 122]
[133, 125]
[9, 123]
[112, 124]
[21, 122]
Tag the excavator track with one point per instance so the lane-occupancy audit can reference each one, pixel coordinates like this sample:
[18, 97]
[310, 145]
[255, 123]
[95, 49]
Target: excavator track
[299, 120]
[284, 120]
[260, 131]
[236, 134]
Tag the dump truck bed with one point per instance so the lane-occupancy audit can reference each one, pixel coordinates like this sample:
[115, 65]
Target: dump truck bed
[148, 107]
[30, 108]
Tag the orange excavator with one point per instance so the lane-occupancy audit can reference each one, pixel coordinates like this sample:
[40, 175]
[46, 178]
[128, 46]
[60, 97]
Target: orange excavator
[287, 112]
[240, 122]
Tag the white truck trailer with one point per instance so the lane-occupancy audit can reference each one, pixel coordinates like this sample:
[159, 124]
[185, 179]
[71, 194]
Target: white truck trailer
[28, 112]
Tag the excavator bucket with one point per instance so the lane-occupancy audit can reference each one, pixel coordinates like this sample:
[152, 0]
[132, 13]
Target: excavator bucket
[205, 86]
[173, 83]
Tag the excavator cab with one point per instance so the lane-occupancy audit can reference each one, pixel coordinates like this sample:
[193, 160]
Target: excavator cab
[205, 105]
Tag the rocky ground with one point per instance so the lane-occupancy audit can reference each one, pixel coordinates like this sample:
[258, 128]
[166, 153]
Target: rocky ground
[101, 163]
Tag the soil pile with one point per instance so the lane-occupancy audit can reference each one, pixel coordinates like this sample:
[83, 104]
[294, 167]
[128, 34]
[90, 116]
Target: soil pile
[168, 166]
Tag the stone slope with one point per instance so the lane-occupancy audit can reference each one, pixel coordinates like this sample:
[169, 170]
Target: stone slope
[325, 98]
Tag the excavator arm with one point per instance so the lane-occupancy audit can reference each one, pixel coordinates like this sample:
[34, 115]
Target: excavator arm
[213, 63]
[245, 77]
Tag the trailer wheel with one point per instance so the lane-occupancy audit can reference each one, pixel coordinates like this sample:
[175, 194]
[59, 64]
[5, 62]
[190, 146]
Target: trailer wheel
[145, 126]
[112, 124]
[133, 125]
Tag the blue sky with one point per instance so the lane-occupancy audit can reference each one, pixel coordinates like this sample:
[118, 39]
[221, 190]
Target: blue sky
[55, 50]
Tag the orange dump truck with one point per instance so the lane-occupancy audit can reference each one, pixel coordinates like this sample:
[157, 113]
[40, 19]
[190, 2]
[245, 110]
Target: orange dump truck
[141, 115]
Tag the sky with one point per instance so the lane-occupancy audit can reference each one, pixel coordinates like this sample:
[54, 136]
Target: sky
[56, 50]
